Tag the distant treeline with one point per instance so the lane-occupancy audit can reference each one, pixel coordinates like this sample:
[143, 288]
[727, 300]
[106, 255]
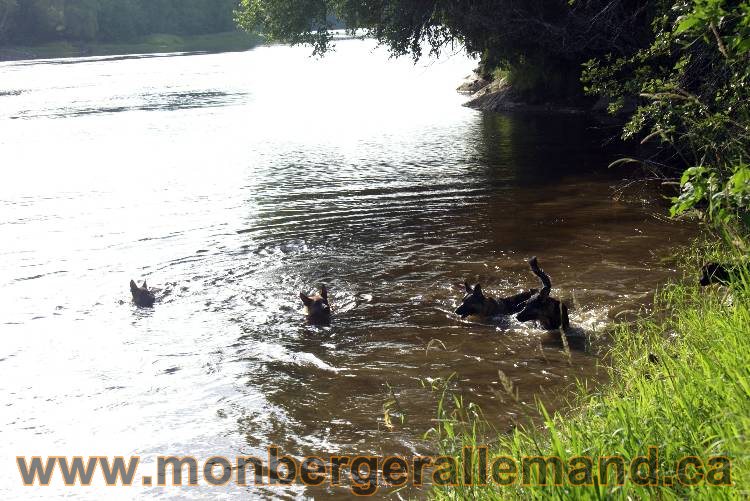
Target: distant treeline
[28, 22]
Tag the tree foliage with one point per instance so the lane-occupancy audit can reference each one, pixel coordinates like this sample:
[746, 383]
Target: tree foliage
[555, 28]
[693, 80]
[555, 35]
[39, 21]
[7, 12]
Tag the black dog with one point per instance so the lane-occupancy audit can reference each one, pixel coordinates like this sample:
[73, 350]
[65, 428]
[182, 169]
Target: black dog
[317, 308]
[141, 295]
[476, 303]
[715, 273]
[551, 313]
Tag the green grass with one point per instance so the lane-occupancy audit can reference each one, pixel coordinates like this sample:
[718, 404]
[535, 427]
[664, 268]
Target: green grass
[679, 381]
[158, 43]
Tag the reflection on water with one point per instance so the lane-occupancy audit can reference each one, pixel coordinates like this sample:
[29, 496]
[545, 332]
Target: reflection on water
[234, 181]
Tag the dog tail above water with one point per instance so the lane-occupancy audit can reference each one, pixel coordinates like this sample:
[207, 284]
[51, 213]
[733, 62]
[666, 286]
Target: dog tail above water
[534, 265]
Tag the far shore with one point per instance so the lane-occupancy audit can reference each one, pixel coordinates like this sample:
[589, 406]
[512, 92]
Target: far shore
[151, 44]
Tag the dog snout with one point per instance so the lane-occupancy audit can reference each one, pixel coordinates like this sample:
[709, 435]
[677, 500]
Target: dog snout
[461, 311]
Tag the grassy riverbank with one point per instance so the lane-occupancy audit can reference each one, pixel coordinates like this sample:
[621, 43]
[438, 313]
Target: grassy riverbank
[161, 43]
[679, 381]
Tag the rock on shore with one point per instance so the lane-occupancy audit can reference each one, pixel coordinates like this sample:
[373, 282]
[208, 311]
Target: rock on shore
[498, 95]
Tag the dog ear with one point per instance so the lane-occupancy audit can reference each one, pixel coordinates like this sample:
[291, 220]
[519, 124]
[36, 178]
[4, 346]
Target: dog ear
[477, 290]
[324, 292]
[468, 288]
[705, 279]
[305, 299]
[144, 285]
[133, 287]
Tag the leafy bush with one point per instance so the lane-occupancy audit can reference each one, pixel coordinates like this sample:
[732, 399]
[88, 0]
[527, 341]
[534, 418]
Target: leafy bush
[693, 82]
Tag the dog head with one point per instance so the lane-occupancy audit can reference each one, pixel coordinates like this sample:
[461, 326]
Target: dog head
[713, 273]
[474, 302]
[141, 295]
[317, 306]
[550, 312]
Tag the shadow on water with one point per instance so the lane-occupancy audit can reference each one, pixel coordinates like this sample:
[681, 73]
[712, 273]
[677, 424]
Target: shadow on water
[535, 149]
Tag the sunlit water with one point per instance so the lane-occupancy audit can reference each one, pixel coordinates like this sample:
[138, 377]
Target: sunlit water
[234, 181]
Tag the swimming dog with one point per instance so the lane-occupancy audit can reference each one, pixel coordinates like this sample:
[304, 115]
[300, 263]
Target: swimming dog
[551, 313]
[141, 295]
[476, 303]
[317, 308]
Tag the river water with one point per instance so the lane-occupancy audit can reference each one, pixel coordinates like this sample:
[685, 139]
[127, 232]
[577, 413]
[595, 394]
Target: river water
[234, 181]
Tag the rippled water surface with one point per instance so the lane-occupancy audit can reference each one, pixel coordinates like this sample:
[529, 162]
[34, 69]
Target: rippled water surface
[234, 181]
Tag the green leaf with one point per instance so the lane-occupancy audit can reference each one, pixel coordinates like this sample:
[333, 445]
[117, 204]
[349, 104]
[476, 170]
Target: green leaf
[686, 23]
